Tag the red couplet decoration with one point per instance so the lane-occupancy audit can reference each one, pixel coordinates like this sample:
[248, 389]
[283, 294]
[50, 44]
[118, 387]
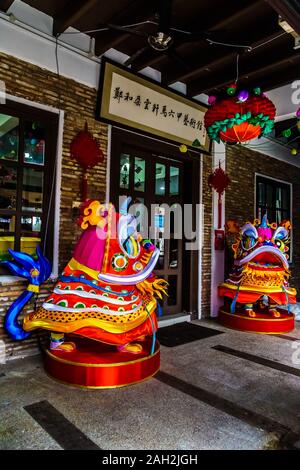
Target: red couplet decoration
[86, 151]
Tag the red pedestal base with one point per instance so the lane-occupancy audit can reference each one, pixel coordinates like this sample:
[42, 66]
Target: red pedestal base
[97, 365]
[262, 323]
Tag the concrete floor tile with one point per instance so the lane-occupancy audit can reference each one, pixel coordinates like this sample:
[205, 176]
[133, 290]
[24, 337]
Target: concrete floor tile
[154, 415]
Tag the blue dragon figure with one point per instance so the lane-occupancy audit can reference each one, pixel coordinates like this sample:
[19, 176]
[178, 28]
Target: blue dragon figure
[36, 271]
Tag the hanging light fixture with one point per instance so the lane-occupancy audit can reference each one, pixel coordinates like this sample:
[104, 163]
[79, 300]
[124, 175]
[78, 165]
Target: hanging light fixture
[159, 41]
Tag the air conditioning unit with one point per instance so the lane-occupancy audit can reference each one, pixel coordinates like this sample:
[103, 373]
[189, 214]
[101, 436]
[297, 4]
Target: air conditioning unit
[290, 30]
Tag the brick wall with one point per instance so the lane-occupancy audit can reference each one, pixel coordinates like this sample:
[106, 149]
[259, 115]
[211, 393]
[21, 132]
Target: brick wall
[78, 102]
[241, 166]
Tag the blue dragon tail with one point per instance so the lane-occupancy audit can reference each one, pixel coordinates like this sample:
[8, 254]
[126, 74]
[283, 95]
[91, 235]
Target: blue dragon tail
[36, 271]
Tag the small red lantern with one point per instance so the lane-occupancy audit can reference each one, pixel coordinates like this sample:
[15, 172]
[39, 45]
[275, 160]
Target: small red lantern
[240, 117]
[86, 151]
[219, 181]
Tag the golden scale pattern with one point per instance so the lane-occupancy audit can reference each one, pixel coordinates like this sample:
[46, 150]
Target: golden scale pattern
[68, 317]
[262, 281]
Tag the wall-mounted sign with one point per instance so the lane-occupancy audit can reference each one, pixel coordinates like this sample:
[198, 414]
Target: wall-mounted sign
[139, 103]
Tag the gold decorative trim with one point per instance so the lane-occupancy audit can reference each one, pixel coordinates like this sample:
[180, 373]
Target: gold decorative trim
[76, 266]
[95, 387]
[109, 326]
[269, 290]
[111, 211]
[256, 319]
[117, 364]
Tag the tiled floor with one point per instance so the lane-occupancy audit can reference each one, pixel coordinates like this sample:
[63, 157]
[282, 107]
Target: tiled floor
[206, 397]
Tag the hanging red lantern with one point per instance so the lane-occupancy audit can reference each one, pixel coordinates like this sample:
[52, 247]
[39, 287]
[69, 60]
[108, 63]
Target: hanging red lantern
[240, 117]
[86, 151]
[219, 181]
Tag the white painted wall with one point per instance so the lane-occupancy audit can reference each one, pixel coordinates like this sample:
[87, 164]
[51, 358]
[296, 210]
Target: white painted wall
[39, 49]
[282, 98]
[28, 36]
[274, 150]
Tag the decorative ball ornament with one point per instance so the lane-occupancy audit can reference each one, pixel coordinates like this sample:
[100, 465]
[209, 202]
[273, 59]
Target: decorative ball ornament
[242, 96]
[232, 121]
[231, 90]
[211, 100]
[298, 113]
[183, 148]
[298, 125]
[257, 90]
[287, 133]
[294, 152]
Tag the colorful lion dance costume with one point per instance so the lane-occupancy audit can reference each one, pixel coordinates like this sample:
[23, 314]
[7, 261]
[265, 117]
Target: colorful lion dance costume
[106, 293]
[259, 280]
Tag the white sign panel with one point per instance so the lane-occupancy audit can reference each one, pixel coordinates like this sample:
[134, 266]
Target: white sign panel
[140, 104]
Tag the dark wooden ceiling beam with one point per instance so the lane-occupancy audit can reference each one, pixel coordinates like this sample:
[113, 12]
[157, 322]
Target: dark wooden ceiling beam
[135, 12]
[289, 10]
[284, 75]
[112, 40]
[230, 19]
[221, 60]
[6, 4]
[255, 73]
[71, 13]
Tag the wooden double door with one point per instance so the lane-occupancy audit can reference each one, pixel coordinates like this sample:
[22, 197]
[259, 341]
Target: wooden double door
[154, 173]
[153, 180]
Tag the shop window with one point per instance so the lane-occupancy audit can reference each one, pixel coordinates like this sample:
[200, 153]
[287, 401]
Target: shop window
[27, 186]
[273, 198]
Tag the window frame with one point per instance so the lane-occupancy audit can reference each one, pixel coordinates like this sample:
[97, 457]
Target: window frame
[25, 112]
[279, 183]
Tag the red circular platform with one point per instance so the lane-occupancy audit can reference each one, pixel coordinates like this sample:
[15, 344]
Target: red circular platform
[262, 323]
[97, 365]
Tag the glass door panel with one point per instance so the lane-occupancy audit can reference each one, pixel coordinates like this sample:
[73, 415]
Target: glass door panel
[139, 174]
[151, 180]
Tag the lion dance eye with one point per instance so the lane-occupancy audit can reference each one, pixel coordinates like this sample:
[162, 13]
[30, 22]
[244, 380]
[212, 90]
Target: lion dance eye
[119, 262]
[248, 242]
[280, 245]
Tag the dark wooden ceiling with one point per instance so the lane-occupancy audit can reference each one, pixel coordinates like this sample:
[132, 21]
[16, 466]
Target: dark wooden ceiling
[202, 66]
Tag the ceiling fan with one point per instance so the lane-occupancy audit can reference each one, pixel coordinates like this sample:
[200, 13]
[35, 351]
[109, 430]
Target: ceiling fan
[167, 38]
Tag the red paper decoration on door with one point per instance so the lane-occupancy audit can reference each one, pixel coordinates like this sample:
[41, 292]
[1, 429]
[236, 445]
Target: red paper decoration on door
[219, 181]
[86, 151]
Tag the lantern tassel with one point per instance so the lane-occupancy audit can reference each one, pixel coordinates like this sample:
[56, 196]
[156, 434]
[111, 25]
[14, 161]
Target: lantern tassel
[84, 189]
